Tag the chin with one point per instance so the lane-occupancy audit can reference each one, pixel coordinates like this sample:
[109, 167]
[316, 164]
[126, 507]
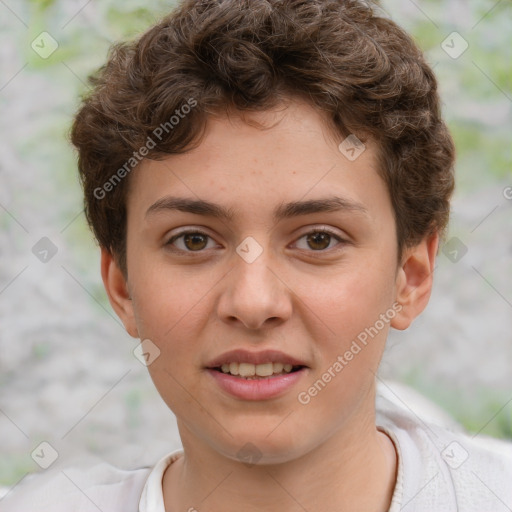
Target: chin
[261, 447]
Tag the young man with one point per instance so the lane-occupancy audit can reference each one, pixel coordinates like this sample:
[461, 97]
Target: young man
[269, 181]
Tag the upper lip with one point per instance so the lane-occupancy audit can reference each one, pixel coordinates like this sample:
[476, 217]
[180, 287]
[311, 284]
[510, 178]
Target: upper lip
[245, 356]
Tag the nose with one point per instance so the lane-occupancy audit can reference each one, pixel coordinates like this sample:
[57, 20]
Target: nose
[255, 294]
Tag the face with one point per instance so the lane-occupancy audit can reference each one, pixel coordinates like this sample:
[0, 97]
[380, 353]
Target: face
[292, 260]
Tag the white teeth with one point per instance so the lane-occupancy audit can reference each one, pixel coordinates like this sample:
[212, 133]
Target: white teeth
[246, 369]
[278, 367]
[249, 370]
[264, 370]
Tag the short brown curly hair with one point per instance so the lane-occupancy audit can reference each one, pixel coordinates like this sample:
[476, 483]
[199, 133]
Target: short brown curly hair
[344, 57]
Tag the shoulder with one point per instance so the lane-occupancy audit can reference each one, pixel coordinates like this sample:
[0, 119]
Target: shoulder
[441, 466]
[99, 487]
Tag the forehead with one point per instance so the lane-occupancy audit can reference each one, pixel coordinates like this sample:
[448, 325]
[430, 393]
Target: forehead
[264, 165]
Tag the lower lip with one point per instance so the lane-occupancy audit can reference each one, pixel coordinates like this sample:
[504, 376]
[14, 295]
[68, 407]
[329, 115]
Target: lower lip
[256, 389]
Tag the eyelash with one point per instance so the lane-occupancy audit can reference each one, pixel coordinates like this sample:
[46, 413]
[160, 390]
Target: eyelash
[199, 232]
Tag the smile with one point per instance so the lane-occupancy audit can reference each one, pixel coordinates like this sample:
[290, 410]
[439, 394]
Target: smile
[255, 371]
[256, 387]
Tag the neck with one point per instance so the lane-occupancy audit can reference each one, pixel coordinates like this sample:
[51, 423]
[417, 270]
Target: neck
[354, 469]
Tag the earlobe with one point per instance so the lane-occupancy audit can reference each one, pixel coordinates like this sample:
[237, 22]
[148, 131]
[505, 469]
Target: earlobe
[414, 280]
[116, 287]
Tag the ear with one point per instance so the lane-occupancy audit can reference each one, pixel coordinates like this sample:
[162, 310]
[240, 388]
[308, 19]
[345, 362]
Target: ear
[116, 287]
[414, 280]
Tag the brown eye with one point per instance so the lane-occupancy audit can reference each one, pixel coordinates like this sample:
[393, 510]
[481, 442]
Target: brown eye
[190, 241]
[319, 240]
[195, 241]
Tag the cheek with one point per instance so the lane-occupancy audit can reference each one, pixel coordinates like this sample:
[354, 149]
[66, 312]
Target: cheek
[173, 320]
[355, 313]
[348, 301]
[168, 300]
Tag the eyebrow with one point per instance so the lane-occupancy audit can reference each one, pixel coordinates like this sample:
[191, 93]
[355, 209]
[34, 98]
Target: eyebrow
[283, 211]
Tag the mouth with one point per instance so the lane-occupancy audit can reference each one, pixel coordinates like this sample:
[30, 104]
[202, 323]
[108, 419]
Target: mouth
[249, 371]
[263, 375]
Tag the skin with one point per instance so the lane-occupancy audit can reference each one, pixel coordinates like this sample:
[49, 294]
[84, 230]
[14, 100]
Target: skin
[308, 300]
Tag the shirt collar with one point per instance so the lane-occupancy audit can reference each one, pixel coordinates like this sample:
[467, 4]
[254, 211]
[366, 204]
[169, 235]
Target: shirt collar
[152, 498]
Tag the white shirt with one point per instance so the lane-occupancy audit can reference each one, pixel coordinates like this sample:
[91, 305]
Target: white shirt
[439, 470]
